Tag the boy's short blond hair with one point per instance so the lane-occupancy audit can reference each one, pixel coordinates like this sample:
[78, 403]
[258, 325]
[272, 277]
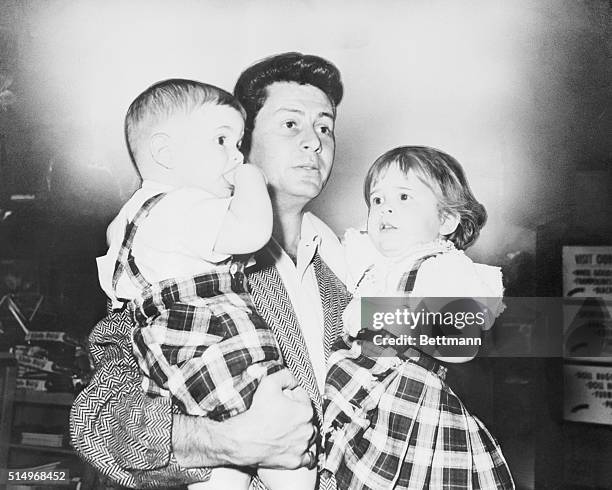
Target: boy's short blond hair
[164, 100]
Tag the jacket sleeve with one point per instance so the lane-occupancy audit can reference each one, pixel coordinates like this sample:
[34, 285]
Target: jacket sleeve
[114, 426]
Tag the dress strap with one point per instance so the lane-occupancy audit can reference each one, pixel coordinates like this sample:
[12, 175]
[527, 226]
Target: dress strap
[408, 279]
[125, 260]
[371, 349]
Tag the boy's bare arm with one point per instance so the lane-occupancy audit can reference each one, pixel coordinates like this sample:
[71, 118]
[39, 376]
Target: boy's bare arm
[247, 226]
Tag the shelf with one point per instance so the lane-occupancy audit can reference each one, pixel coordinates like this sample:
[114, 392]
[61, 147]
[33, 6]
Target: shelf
[23, 395]
[43, 397]
[6, 358]
[46, 449]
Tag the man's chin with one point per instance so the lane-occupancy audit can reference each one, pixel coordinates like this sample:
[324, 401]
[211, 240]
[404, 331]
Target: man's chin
[307, 189]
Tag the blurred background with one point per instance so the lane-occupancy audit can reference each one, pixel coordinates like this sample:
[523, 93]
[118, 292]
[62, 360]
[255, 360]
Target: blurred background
[519, 92]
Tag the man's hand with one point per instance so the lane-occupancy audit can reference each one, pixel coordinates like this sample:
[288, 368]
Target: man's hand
[275, 432]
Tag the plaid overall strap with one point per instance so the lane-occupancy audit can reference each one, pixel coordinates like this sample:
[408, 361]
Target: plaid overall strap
[125, 260]
[406, 284]
[272, 303]
[334, 298]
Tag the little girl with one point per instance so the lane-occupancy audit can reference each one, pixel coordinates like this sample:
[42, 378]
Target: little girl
[393, 422]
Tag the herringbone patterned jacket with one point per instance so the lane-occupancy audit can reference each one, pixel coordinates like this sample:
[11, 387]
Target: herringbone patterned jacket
[127, 435]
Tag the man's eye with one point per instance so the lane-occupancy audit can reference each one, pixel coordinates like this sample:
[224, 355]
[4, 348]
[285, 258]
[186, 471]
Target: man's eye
[290, 124]
[221, 140]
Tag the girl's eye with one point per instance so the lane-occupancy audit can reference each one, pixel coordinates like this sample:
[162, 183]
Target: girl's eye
[221, 140]
[404, 196]
[376, 201]
[325, 130]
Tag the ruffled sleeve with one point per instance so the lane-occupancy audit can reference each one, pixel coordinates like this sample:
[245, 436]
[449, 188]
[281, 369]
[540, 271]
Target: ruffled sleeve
[454, 274]
[360, 254]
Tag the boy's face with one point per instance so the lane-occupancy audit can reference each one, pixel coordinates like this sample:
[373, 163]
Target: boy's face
[293, 141]
[205, 147]
[403, 212]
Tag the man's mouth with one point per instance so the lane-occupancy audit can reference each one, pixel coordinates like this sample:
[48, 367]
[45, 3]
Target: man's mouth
[311, 164]
[386, 227]
[308, 167]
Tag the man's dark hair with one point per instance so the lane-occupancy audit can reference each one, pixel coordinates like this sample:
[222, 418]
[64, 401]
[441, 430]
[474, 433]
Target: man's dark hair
[304, 69]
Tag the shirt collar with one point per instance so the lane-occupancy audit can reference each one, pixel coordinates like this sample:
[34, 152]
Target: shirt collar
[310, 240]
[155, 186]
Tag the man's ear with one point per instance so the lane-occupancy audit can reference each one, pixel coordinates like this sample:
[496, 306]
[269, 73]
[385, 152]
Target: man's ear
[449, 224]
[161, 150]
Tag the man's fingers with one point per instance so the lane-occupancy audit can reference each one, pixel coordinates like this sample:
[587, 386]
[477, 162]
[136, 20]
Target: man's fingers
[257, 371]
[300, 395]
[309, 458]
[283, 379]
[314, 436]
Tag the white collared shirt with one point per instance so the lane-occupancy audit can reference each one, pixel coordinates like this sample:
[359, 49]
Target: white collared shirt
[301, 283]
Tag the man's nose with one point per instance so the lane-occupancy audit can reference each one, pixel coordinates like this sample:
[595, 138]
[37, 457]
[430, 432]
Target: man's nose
[311, 140]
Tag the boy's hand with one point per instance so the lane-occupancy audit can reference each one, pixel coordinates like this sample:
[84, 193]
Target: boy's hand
[243, 174]
[247, 226]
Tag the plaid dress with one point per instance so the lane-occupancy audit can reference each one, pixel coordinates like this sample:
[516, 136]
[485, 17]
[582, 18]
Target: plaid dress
[395, 423]
[195, 337]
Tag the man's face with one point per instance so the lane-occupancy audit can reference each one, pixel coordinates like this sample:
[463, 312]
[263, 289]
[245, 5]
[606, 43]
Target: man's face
[293, 141]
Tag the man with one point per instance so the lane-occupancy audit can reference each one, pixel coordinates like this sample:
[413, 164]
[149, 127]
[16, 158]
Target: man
[291, 102]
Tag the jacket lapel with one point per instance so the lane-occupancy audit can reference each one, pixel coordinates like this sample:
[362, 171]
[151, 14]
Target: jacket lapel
[273, 304]
[334, 298]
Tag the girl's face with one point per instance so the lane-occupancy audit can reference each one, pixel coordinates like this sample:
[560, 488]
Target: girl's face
[403, 213]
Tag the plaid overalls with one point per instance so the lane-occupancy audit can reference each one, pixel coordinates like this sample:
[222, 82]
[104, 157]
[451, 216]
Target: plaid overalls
[195, 337]
[402, 427]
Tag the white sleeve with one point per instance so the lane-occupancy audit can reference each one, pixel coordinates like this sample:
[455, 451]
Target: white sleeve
[360, 254]
[187, 222]
[455, 275]
[106, 263]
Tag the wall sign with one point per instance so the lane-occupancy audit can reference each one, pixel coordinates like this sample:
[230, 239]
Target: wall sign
[588, 394]
[587, 272]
